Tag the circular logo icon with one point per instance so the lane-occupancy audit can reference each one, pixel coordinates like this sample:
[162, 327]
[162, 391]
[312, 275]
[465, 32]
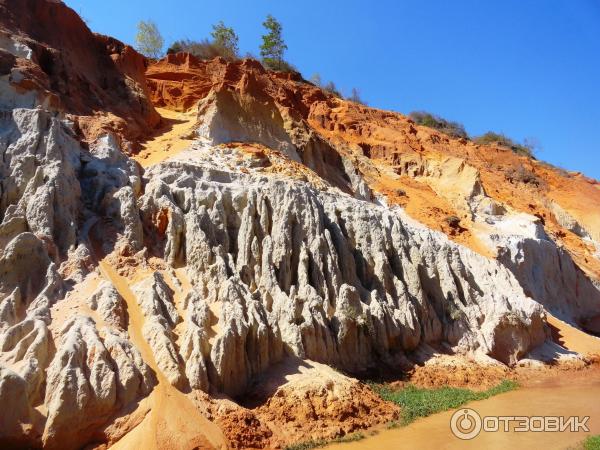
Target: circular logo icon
[465, 424]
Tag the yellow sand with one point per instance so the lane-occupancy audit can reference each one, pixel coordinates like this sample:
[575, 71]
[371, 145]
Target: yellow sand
[573, 339]
[170, 140]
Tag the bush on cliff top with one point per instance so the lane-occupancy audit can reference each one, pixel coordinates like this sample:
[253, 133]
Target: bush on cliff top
[148, 39]
[273, 46]
[224, 43]
[525, 149]
[453, 129]
[204, 49]
[328, 87]
[200, 49]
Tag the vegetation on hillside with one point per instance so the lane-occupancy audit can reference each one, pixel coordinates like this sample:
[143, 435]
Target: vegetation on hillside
[525, 149]
[308, 445]
[329, 86]
[333, 89]
[355, 97]
[226, 40]
[273, 46]
[224, 43]
[453, 129]
[457, 130]
[204, 49]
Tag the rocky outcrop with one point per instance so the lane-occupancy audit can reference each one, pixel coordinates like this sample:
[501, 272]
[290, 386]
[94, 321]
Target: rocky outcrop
[330, 278]
[549, 275]
[88, 379]
[51, 192]
[19, 423]
[241, 102]
[75, 71]
[160, 317]
[107, 301]
[195, 348]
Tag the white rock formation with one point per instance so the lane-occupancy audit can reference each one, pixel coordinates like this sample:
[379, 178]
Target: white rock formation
[49, 187]
[160, 317]
[326, 277]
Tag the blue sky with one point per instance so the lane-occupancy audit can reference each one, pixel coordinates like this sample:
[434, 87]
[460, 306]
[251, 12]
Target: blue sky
[527, 68]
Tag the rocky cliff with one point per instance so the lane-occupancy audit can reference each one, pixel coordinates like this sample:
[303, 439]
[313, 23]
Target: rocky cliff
[155, 262]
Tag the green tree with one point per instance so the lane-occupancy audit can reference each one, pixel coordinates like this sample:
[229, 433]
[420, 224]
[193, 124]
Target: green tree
[148, 39]
[225, 39]
[273, 46]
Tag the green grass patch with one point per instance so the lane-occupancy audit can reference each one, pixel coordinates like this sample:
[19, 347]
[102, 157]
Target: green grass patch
[416, 402]
[307, 445]
[592, 443]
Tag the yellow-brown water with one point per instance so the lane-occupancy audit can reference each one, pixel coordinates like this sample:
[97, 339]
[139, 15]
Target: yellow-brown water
[569, 396]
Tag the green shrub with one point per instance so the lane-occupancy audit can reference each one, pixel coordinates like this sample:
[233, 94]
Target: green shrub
[453, 129]
[416, 402]
[204, 49]
[226, 40]
[284, 66]
[224, 43]
[307, 445]
[525, 149]
[592, 443]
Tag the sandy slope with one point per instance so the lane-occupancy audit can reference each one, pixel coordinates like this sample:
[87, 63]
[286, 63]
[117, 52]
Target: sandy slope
[573, 339]
[173, 137]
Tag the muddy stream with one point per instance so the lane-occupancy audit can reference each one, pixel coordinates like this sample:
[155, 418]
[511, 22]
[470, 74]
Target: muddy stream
[572, 395]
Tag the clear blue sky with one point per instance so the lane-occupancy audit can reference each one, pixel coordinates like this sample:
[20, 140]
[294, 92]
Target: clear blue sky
[527, 68]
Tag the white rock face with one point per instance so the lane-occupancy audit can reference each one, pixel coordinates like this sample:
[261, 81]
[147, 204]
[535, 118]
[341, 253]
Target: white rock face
[326, 277]
[548, 274]
[49, 188]
[224, 117]
[87, 380]
[156, 300]
[195, 349]
[110, 305]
